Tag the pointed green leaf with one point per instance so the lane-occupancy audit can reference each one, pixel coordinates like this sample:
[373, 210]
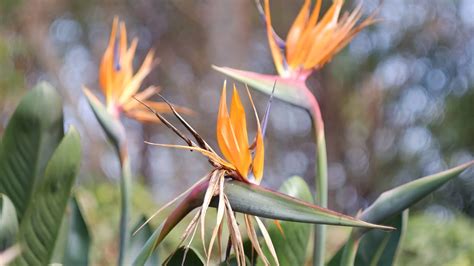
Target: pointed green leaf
[138, 241]
[394, 201]
[289, 90]
[178, 258]
[291, 246]
[148, 248]
[8, 223]
[378, 247]
[40, 225]
[381, 248]
[111, 126]
[254, 200]
[262, 202]
[78, 238]
[33, 133]
[73, 242]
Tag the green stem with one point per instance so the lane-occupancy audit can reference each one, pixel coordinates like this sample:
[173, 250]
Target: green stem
[321, 179]
[125, 201]
[350, 250]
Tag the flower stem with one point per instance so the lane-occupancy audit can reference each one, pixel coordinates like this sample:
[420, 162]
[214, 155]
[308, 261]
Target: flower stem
[350, 250]
[125, 201]
[321, 179]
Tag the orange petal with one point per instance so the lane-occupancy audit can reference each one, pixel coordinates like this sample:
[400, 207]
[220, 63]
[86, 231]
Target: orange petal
[302, 47]
[259, 157]
[222, 128]
[239, 125]
[296, 30]
[276, 53]
[225, 135]
[144, 116]
[106, 65]
[122, 69]
[313, 44]
[134, 85]
[258, 160]
[141, 97]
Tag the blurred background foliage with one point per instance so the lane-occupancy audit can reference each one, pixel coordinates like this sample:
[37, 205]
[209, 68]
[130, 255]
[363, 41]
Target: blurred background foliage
[398, 102]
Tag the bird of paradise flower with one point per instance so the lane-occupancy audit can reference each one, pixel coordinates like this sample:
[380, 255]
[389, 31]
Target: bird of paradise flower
[310, 44]
[243, 161]
[120, 85]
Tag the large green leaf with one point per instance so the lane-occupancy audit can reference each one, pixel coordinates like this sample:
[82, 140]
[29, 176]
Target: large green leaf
[254, 200]
[40, 225]
[381, 248]
[178, 258]
[291, 246]
[32, 134]
[378, 247]
[8, 223]
[289, 90]
[73, 242]
[394, 201]
[138, 241]
[148, 248]
[78, 244]
[262, 202]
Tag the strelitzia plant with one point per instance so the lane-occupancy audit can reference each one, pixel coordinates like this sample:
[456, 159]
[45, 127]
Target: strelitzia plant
[233, 186]
[310, 44]
[120, 85]
[243, 161]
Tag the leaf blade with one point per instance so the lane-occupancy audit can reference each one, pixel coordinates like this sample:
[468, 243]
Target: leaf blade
[396, 200]
[8, 223]
[293, 243]
[33, 132]
[262, 202]
[40, 225]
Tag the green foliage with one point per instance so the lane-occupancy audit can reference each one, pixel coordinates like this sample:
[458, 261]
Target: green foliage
[394, 201]
[40, 225]
[77, 246]
[184, 256]
[381, 248]
[291, 246]
[148, 248]
[32, 135]
[139, 239]
[38, 167]
[12, 49]
[432, 240]
[73, 242]
[459, 110]
[378, 247]
[8, 223]
[262, 202]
